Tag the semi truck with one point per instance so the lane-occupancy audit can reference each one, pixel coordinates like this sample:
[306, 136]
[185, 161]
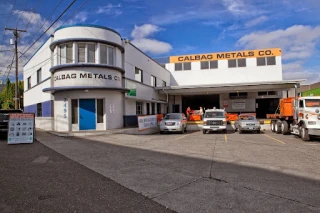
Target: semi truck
[298, 116]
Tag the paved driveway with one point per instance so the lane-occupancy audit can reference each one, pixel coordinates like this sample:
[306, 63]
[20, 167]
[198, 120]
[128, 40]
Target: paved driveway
[198, 172]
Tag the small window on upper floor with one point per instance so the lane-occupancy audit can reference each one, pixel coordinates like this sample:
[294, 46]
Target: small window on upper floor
[271, 60]
[39, 76]
[66, 54]
[29, 83]
[261, 61]
[182, 66]
[208, 65]
[232, 63]
[138, 74]
[164, 84]
[106, 55]
[242, 62]
[214, 64]
[153, 81]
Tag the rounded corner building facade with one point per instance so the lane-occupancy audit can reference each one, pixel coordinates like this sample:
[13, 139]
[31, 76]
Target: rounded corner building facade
[86, 77]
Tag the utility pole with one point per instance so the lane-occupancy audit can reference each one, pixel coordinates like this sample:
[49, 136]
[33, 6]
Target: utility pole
[16, 35]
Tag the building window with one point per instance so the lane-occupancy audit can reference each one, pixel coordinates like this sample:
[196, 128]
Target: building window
[153, 108]
[271, 60]
[138, 75]
[66, 54]
[39, 109]
[106, 55]
[266, 93]
[266, 61]
[91, 53]
[38, 76]
[81, 53]
[261, 61]
[209, 65]
[164, 84]
[100, 110]
[232, 63]
[242, 62]
[204, 65]
[158, 108]
[237, 63]
[74, 111]
[29, 82]
[153, 81]
[139, 108]
[182, 66]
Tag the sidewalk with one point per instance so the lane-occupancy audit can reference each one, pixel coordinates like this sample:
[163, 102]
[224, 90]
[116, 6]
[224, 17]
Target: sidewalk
[34, 178]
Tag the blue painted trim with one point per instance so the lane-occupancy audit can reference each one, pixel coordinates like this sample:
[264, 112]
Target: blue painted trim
[36, 51]
[38, 84]
[87, 25]
[65, 88]
[61, 41]
[65, 66]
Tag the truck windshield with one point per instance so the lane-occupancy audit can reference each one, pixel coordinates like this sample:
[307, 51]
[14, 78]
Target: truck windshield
[214, 115]
[312, 102]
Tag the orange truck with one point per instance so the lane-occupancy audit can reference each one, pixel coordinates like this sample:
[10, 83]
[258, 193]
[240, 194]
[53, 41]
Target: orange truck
[297, 115]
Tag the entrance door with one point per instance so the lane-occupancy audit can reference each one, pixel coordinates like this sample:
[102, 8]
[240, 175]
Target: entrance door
[87, 114]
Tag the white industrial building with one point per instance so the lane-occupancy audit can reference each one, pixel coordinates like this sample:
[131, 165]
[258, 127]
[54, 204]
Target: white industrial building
[86, 77]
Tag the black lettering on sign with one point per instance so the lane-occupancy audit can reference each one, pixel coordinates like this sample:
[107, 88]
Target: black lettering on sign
[209, 56]
[83, 75]
[100, 76]
[251, 53]
[203, 57]
[197, 57]
[89, 75]
[95, 75]
[180, 58]
[220, 56]
[232, 54]
[227, 55]
[239, 54]
[186, 58]
[116, 78]
[109, 77]
[268, 52]
[68, 76]
[261, 53]
[73, 75]
[63, 77]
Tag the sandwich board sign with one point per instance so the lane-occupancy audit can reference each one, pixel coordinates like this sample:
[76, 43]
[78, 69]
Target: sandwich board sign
[21, 128]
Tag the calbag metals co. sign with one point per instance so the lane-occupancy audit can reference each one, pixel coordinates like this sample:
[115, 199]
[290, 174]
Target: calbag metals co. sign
[21, 128]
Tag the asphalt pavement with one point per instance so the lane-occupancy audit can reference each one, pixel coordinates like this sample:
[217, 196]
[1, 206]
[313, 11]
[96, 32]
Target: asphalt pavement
[34, 178]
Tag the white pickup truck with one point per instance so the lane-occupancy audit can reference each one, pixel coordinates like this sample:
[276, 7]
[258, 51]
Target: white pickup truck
[214, 120]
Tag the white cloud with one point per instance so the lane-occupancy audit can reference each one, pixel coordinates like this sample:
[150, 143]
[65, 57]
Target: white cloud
[79, 18]
[144, 31]
[296, 42]
[236, 7]
[140, 34]
[256, 21]
[152, 45]
[110, 9]
[295, 70]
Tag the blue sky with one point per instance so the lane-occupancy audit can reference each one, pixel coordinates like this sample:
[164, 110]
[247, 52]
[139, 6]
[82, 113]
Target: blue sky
[172, 27]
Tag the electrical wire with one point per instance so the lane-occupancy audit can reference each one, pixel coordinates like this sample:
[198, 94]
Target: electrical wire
[74, 13]
[33, 14]
[49, 27]
[21, 11]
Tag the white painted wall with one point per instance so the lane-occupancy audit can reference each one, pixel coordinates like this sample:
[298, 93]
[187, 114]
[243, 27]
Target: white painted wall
[251, 73]
[45, 123]
[87, 32]
[135, 58]
[35, 95]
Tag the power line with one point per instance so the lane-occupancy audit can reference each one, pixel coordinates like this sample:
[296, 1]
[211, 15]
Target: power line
[49, 26]
[74, 13]
[21, 11]
[15, 1]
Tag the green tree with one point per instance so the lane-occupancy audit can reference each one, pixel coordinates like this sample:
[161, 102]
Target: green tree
[7, 95]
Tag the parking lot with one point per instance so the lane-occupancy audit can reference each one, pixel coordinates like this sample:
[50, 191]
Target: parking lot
[197, 172]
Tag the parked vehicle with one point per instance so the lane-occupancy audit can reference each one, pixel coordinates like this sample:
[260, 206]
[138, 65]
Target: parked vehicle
[174, 122]
[214, 120]
[299, 116]
[248, 123]
[4, 119]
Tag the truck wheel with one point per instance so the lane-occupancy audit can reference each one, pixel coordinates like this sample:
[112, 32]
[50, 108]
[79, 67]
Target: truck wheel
[284, 127]
[273, 126]
[258, 131]
[304, 133]
[277, 127]
[161, 132]
[204, 131]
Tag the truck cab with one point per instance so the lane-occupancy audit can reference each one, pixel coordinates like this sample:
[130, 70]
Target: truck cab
[307, 114]
[214, 120]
